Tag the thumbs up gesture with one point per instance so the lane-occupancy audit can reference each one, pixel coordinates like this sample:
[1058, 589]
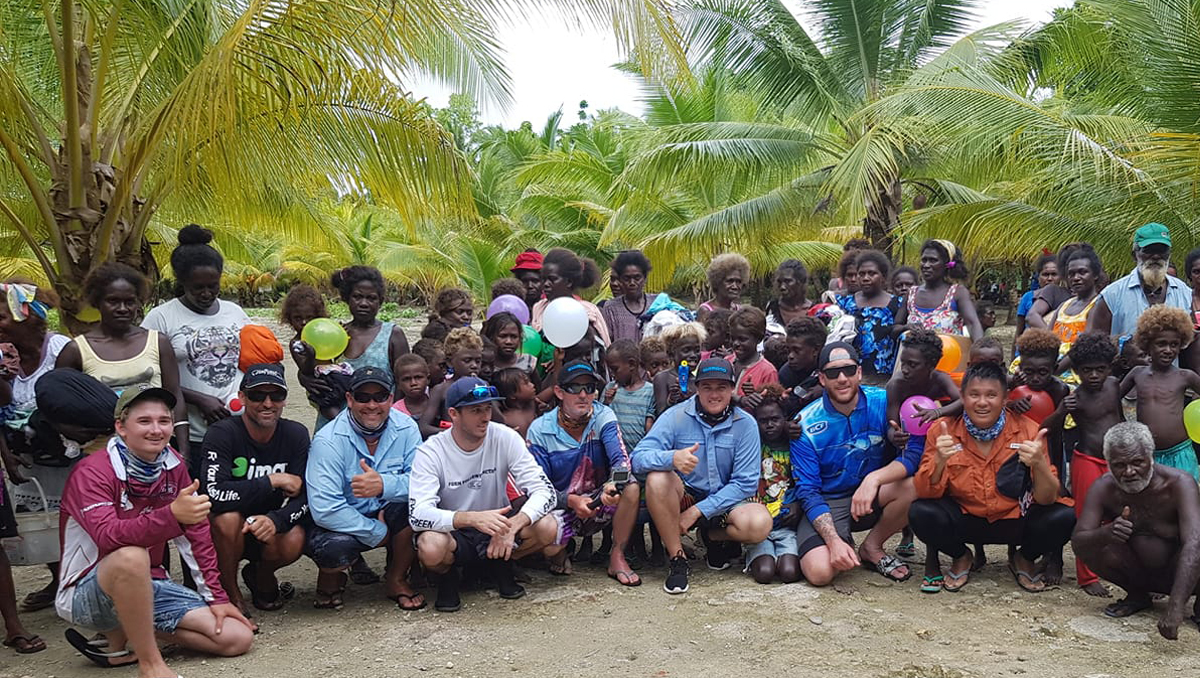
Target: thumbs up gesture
[947, 446]
[1122, 526]
[367, 484]
[1033, 452]
[685, 459]
[190, 508]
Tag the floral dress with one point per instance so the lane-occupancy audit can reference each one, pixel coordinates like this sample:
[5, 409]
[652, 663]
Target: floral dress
[877, 346]
[945, 319]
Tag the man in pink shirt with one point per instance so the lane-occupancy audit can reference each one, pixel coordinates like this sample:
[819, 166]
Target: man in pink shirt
[119, 509]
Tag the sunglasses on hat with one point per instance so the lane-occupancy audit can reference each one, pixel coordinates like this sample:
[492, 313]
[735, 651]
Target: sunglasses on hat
[832, 373]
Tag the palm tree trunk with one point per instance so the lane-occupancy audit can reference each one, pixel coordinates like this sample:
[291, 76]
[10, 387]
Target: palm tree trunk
[883, 216]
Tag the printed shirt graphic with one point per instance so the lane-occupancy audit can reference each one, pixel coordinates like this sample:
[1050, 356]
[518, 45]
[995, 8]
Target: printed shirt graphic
[774, 489]
[578, 467]
[207, 348]
[237, 470]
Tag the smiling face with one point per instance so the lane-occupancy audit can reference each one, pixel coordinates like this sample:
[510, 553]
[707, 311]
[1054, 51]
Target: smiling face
[264, 405]
[1164, 348]
[146, 428]
[841, 379]
[364, 301]
[201, 289]
[374, 412]
[119, 306]
[714, 395]
[688, 349]
[743, 343]
[983, 401]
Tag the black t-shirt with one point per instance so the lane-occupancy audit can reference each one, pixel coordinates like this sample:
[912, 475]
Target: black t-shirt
[236, 470]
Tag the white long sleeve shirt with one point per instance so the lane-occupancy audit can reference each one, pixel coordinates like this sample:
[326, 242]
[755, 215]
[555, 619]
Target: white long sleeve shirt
[447, 479]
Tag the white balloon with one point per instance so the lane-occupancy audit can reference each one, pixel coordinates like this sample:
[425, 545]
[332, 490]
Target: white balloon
[564, 322]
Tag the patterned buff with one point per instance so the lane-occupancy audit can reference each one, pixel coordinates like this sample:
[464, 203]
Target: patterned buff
[368, 434]
[573, 427]
[21, 302]
[145, 472]
[982, 434]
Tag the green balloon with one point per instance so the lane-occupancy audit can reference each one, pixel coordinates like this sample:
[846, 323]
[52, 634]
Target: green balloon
[327, 337]
[531, 343]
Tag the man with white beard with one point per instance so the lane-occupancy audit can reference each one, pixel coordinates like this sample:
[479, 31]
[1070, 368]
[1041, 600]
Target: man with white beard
[1140, 528]
[1126, 298]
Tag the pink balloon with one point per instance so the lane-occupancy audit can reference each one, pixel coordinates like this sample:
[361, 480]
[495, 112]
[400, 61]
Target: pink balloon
[910, 419]
[511, 304]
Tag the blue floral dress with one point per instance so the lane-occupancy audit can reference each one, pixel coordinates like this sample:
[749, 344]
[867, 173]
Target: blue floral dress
[877, 350]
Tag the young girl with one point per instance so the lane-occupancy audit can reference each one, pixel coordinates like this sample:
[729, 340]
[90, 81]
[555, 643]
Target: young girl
[452, 308]
[629, 395]
[747, 327]
[519, 408]
[325, 382]
[435, 357]
[464, 351]
[412, 384]
[683, 343]
[506, 332]
[779, 553]
[716, 324]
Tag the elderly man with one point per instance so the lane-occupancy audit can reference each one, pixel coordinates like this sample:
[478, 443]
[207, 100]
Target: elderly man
[841, 481]
[578, 444]
[1124, 300]
[702, 459]
[1140, 528]
[358, 478]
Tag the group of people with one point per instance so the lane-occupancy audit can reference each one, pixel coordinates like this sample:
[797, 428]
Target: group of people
[776, 434]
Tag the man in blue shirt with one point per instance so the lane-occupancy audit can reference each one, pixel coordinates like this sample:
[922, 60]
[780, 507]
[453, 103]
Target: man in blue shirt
[702, 461]
[1125, 299]
[841, 481]
[358, 472]
[578, 444]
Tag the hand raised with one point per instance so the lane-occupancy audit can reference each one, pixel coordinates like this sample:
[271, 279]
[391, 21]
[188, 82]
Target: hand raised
[947, 446]
[685, 460]
[190, 508]
[368, 484]
[1033, 452]
[610, 392]
[1122, 527]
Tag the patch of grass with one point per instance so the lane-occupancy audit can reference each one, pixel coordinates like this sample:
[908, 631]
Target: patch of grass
[390, 311]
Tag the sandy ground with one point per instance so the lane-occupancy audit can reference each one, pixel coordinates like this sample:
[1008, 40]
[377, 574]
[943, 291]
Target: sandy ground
[726, 625]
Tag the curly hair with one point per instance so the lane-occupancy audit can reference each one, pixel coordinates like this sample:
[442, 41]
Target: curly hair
[1076, 251]
[1042, 261]
[986, 371]
[717, 321]
[856, 244]
[509, 286]
[432, 352]
[301, 298]
[629, 258]
[449, 299]
[724, 264]
[1159, 319]
[192, 252]
[461, 338]
[956, 269]
[649, 346]
[624, 350]
[1039, 343]
[750, 319]
[926, 342]
[673, 335]
[1092, 348]
[581, 272]
[986, 343]
[772, 394]
[493, 325]
[408, 360]
[812, 331]
[344, 280]
[436, 330]
[876, 257]
[846, 262]
[795, 267]
[108, 273]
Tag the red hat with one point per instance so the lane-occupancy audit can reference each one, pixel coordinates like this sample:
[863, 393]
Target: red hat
[530, 260]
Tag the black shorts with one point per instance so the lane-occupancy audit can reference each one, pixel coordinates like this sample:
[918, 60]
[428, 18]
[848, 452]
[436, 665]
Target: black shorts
[471, 546]
[335, 550]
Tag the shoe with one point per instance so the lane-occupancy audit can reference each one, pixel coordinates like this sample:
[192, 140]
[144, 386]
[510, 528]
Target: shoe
[717, 554]
[677, 575]
[506, 580]
[448, 599]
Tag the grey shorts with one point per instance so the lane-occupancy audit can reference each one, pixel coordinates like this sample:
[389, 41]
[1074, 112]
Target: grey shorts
[839, 510]
[92, 608]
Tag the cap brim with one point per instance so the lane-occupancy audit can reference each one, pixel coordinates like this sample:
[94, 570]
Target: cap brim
[1154, 241]
[153, 392]
[475, 401]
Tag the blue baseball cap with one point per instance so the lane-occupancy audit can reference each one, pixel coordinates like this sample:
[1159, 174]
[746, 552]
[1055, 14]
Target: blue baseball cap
[469, 391]
[715, 368]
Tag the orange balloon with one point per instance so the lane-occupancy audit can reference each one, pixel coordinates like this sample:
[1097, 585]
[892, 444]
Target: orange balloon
[951, 354]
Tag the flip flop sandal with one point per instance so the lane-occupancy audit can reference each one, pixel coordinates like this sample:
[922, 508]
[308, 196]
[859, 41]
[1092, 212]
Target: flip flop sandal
[101, 659]
[25, 643]
[1126, 608]
[1033, 579]
[906, 550]
[333, 599]
[38, 600]
[284, 591]
[560, 565]
[963, 577]
[410, 597]
[886, 566]
[631, 578]
[932, 584]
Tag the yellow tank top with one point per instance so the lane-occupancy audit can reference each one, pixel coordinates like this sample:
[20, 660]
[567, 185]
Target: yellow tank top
[1067, 326]
[142, 369]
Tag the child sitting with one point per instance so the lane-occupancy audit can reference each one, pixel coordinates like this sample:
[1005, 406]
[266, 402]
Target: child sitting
[805, 337]
[683, 343]
[716, 324]
[654, 356]
[435, 357]
[506, 332]
[747, 327]
[629, 395]
[779, 553]
[412, 384]
[1162, 332]
[519, 407]
[1096, 407]
[325, 382]
[464, 351]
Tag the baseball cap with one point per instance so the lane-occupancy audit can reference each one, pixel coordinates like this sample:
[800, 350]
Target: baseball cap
[837, 350]
[1152, 234]
[528, 261]
[715, 368]
[575, 369]
[264, 374]
[133, 394]
[370, 375]
[470, 391]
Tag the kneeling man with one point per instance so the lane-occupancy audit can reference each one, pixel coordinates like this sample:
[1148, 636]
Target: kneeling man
[1140, 528]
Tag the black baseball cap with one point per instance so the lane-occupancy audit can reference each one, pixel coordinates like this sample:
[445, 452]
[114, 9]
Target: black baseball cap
[469, 391]
[576, 369]
[717, 369]
[370, 375]
[264, 374]
[135, 394]
[837, 350]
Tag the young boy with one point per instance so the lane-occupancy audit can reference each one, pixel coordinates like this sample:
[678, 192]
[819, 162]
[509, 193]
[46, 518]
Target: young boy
[987, 315]
[464, 351]
[629, 395]
[798, 376]
[487, 361]
[1129, 356]
[1162, 332]
[779, 553]
[683, 342]
[984, 350]
[654, 356]
[716, 324]
[519, 407]
[1039, 361]
[747, 327]
[412, 384]
[1096, 407]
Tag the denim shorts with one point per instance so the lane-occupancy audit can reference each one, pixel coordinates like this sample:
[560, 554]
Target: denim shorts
[92, 608]
[781, 542]
[336, 550]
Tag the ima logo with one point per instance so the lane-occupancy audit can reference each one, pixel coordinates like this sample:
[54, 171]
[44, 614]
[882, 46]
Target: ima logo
[246, 468]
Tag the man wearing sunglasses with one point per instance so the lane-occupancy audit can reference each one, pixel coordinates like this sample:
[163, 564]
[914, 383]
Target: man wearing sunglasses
[842, 482]
[459, 502]
[702, 464]
[578, 444]
[358, 478]
[253, 471]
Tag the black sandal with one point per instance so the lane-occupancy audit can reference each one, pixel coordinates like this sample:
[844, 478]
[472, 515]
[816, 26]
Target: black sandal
[333, 599]
[101, 659]
[283, 591]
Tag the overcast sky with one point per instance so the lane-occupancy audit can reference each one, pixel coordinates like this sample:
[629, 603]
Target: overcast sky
[554, 66]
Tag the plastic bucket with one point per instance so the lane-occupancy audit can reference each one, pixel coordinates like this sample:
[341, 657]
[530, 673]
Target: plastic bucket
[38, 540]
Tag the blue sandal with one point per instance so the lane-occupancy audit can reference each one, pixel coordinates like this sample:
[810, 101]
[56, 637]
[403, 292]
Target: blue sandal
[932, 584]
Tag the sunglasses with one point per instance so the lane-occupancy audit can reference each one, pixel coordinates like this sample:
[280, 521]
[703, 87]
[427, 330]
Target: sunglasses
[575, 389]
[478, 393]
[832, 373]
[363, 397]
[259, 396]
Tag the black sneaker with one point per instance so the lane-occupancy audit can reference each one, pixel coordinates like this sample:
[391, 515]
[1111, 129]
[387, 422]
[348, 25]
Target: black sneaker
[506, 580]
[717, 554]
[677, 574]
[448, 599]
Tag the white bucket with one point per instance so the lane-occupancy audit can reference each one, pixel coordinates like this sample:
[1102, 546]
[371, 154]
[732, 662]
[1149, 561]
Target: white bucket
[38, 540]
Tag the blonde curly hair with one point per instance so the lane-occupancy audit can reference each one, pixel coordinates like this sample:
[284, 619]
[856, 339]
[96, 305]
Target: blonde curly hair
[1159, 319]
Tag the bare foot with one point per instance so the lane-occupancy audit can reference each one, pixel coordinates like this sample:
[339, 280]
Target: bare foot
[1097, 589]
[1052, 571]
[980, 558]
